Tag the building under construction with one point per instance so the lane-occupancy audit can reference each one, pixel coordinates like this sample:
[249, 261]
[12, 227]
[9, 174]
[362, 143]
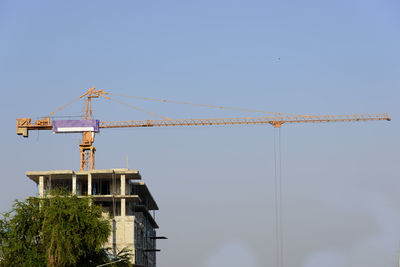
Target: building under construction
[124, 198]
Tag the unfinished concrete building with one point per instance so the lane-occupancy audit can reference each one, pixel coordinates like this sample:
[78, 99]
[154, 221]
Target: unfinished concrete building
[124, 199]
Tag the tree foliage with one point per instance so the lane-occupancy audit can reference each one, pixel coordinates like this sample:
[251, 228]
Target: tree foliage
[59, 230]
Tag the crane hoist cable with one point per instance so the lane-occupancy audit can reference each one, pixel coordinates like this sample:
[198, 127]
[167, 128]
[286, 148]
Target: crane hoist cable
[278, 198]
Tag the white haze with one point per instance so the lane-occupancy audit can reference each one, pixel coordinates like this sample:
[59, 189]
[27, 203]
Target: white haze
[232, 254]
[376, 249]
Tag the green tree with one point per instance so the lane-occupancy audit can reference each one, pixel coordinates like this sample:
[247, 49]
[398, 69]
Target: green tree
[59, 230]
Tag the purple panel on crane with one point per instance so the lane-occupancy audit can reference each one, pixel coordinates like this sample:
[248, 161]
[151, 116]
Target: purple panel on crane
[75, 126]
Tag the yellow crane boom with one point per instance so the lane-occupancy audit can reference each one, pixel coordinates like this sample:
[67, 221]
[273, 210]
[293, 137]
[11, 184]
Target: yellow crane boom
[276, 121]
[87, 151]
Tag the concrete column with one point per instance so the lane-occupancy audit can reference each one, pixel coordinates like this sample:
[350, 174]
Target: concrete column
[123, 185]
[49, 183]
[89, 184]
[123, 202]
[123, 209]
[74, 184]
[41, 186]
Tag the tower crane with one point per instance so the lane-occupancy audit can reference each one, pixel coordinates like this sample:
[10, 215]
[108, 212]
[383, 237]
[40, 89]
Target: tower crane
[89, 127]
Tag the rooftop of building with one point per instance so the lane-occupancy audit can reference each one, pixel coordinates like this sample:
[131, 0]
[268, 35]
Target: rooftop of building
[129, 174]
[140, 187]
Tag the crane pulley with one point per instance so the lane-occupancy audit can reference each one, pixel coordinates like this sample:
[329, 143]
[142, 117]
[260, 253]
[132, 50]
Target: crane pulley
[88, 127]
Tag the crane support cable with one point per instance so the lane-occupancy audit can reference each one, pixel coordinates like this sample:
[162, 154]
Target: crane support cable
[201, 105]
[66, 105]
[137, 108]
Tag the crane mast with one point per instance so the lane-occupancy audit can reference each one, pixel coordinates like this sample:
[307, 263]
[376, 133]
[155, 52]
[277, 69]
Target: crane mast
[88, 126]
[86, 148]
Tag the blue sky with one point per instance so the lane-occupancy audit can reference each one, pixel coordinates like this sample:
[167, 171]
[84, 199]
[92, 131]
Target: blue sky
[215, 184]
